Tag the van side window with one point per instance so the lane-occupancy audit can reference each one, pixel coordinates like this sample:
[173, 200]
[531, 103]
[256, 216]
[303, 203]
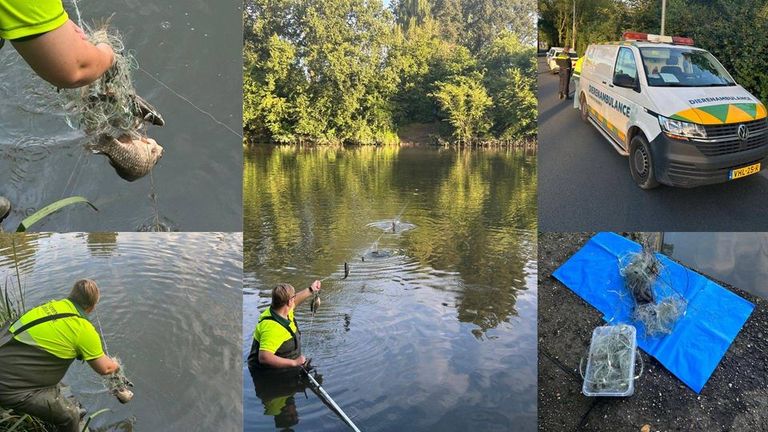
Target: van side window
[625, 72]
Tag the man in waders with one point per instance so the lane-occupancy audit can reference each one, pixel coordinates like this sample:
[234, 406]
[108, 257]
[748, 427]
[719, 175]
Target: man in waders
[37, 349]
[53, 46]
[563, 61]
[277, 339]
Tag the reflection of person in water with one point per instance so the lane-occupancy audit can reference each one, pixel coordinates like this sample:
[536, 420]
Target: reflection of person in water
[37, 349]
[54, 46]
[276, 389]
[277, 339]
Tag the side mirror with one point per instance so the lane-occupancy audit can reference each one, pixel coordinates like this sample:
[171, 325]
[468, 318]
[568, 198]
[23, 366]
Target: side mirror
[626, 81]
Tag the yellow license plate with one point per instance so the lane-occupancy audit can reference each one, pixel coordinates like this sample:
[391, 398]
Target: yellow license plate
[745, 171]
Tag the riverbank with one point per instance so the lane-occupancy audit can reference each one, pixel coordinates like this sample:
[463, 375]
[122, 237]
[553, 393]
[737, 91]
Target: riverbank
[733, 399]
[414, 134]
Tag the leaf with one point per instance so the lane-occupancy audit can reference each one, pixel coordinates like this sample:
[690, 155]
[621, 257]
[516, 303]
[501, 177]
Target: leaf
[93, 416]
[51, 208]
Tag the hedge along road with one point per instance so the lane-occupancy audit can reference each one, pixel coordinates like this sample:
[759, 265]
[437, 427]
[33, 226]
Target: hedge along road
[585, 185]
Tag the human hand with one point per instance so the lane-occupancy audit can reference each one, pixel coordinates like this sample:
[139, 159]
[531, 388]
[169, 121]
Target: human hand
[106, 48]
[300, 361]
[315, 286]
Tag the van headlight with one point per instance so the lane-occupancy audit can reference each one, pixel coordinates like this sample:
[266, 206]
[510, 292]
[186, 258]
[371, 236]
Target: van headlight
[681, 129]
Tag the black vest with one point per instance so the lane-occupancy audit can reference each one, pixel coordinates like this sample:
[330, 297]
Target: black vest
[290, 349]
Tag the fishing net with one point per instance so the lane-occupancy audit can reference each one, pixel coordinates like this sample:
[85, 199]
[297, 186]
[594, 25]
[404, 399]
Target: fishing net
[108, 105]
[118, 384]
[611, 361]
[656, 305]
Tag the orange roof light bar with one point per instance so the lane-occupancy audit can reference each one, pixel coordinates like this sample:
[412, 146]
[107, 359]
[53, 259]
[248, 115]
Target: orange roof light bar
[645, 37]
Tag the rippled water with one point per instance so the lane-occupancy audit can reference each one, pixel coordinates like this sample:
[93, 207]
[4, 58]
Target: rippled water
[436, 331]
[170, 309]
[191, 46]
[740, 259]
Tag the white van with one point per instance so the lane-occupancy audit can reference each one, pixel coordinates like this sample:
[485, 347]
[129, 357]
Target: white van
[674, 110]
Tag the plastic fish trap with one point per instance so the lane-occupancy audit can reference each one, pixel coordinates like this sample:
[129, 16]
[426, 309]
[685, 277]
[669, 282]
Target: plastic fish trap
[107, 106]
[610, 369]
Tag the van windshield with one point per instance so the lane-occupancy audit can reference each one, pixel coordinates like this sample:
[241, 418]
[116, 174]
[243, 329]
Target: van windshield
[683, 67]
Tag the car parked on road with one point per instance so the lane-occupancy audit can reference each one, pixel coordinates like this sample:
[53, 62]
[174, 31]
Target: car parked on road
[674, 110]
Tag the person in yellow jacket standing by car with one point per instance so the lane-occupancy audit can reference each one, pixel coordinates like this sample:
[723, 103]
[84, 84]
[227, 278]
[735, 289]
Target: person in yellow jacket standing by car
[576, 78]
[563, 60]
[37, 349]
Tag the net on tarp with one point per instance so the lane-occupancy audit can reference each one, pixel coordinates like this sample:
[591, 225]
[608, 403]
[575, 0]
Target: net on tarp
[656, 305]
[108, 105]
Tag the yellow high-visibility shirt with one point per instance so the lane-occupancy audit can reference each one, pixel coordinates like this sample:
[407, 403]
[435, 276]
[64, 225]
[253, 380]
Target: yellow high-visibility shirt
[22, 18]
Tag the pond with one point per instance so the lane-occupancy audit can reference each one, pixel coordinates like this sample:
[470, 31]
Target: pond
[169, 309]
[739, 259]
[435, 326]
[190, 46]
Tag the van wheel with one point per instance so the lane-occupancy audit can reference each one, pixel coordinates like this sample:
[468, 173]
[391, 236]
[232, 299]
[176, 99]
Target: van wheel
[641, 163]
[584, 108]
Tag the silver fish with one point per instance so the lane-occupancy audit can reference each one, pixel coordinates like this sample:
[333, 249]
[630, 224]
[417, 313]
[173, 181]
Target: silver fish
[131, 158]
[315, 304]
[346, 270]
[5, 208]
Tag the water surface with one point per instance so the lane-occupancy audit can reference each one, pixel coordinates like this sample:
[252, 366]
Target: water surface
[739, 259]
[436, 328]
[194, 48]
[170, 309]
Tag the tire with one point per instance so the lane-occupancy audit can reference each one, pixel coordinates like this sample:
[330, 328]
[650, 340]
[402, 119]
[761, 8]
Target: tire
[641, 163]
[584, 110]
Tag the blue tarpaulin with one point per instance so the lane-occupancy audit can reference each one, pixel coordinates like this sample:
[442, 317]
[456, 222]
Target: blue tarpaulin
[700, 338]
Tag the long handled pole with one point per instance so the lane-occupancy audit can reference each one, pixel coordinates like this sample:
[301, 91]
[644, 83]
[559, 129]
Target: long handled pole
[333, 404]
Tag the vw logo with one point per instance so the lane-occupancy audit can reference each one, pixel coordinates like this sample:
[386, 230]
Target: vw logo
[743, 132]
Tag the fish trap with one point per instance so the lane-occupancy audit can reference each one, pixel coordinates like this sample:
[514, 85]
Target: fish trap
[108, 105]
[610, 365]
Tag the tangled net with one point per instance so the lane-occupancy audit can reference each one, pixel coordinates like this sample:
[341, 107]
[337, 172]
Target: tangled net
[657, 309]
[118, 384]
[611, 361]
[108, 105]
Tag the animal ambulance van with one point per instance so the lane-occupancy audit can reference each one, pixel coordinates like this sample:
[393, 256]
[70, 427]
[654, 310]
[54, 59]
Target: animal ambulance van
[674, 110]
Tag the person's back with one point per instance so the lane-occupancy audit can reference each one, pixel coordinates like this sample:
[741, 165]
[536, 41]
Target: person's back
[40, 356]
[37, 349]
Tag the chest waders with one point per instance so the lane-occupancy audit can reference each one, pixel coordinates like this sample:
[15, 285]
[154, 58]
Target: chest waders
[285, 350]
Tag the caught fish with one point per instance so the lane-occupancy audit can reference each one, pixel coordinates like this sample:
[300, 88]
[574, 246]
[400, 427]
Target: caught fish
[131, 158]
[5, 208]
[346, 270]
[394, 226]
[315, 304]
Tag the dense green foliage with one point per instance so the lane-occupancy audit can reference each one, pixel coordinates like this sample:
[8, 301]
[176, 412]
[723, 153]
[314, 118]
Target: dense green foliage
[355, 71]
[735, 31]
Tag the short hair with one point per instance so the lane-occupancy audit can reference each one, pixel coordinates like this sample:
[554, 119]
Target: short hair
[282, 294]
[85, 293]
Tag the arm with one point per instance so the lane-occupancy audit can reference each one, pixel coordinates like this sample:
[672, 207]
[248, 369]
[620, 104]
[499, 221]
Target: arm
[307, 293]
[64, 57]
[270, 359]
[104, 365]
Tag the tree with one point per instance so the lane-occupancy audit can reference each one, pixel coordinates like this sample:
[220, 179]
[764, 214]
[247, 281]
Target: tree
[466, 103]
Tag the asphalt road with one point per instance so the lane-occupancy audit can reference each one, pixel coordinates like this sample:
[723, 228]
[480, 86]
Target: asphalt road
[585, 185]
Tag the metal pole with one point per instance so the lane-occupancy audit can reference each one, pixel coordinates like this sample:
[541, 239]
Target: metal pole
[332, 403]
[663, 15]
[573, 30]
